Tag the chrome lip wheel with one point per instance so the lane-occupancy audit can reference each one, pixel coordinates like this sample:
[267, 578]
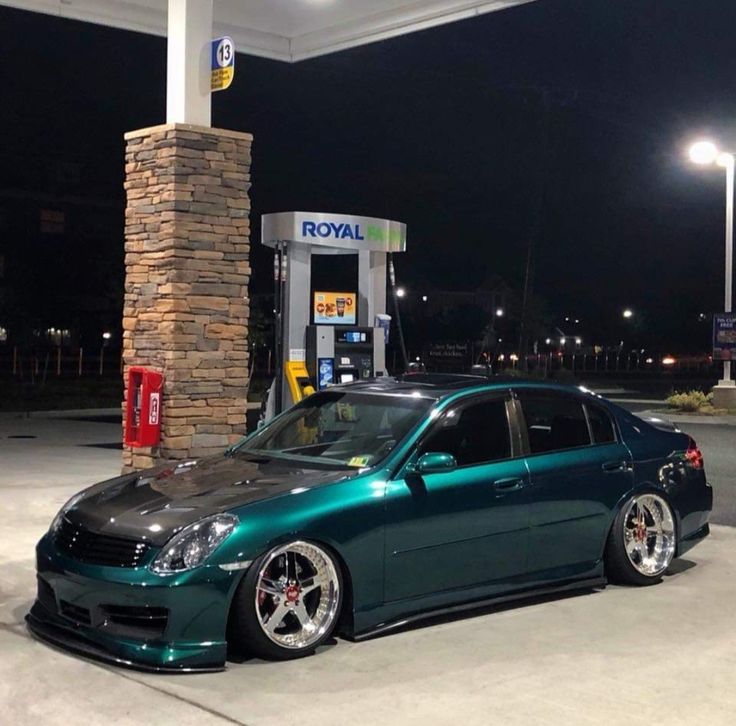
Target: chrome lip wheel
[649, 534]
[297, 595]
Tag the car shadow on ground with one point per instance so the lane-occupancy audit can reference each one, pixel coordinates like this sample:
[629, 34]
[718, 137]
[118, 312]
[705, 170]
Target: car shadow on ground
[679, 566]
[19, 614]
[522, 601]
[236, 657]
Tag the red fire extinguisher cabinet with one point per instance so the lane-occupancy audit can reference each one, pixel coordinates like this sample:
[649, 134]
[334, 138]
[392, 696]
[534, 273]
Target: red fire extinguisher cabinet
[143, 407]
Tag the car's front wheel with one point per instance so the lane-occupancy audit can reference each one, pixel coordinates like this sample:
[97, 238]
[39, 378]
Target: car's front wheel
[642, 541]
[288, 604]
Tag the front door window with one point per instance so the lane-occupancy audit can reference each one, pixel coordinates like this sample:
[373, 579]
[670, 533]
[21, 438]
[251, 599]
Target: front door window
[475, 434]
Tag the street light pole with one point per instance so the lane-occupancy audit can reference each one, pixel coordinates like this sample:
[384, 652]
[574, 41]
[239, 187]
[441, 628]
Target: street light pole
[706, 152]
[727, 160]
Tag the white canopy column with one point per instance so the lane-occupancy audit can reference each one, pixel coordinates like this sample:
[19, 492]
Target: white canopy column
[188, 96]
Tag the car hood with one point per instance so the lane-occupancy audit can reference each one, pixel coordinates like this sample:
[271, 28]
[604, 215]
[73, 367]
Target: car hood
[155, 504]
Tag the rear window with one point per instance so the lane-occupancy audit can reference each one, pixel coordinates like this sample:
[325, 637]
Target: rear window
[600, 424]
[554, 423]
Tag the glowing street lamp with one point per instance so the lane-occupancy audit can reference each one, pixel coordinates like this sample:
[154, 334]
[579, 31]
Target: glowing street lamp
[703, 152]
[628, 313]
[706, 152]
[400, 292]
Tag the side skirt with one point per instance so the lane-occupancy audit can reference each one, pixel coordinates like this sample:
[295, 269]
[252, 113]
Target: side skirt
[593, 582]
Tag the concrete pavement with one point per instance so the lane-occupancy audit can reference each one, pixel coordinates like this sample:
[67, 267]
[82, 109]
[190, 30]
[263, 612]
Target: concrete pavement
[617, 656]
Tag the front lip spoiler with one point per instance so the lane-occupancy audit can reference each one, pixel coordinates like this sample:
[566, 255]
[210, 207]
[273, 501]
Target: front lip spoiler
[67, 641]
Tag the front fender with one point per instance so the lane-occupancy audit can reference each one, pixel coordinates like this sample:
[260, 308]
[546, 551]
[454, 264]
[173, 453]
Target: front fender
[348, 517]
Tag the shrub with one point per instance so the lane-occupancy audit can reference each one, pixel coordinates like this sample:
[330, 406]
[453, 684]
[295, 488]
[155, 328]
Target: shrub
[690, 401]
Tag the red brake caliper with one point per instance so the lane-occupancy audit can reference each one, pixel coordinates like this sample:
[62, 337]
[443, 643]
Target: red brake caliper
[292, 593]
[641, 528]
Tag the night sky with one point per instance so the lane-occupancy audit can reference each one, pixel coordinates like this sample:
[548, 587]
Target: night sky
[445, 130]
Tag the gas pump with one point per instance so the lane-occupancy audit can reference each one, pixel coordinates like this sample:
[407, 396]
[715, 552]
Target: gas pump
[343, 354]
[325, 337]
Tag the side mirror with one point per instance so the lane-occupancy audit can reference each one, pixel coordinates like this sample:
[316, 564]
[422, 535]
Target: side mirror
[434, 462]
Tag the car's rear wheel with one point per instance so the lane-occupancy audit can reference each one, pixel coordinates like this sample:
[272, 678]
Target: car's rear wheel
[288, 604]
[642, 541]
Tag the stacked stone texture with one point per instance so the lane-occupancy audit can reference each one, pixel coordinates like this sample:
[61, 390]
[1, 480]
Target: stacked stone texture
[186, 285]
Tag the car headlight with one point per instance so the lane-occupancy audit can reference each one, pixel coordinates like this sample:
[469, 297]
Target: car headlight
[194, 544]
[56, 523]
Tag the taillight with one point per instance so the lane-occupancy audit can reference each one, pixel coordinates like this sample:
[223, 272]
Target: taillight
[693, 455]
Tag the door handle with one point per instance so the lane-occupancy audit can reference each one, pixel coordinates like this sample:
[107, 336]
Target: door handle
[613, 466]
[508, 485]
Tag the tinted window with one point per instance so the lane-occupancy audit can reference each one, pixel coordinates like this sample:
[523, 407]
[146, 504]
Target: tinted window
[600, 424]
[554, 423]
[473, 434]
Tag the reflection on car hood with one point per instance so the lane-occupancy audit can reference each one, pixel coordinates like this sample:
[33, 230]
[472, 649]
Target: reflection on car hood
[156, 503]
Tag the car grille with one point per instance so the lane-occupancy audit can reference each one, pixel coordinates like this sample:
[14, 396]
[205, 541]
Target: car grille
[98, 549]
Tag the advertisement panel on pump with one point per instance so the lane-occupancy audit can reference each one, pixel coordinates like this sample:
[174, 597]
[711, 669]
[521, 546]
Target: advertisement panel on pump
[334, 308]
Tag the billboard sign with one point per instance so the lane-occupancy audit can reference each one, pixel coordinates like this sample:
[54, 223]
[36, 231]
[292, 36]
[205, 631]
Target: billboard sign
[449, 351]
[724, 336]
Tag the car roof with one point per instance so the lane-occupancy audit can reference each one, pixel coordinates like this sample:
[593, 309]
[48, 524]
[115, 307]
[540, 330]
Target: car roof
[439, 385]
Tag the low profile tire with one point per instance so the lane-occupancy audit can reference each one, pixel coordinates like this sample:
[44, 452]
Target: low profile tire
[642, 541]
[288, 603]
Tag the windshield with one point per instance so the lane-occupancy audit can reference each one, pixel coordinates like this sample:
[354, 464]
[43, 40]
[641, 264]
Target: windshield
[340, 428]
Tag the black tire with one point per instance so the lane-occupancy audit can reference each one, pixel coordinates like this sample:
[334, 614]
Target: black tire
[619, 568]
[245, 632]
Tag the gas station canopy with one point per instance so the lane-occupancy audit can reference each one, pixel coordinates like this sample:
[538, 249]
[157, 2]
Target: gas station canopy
[329, 233]
[287, 30]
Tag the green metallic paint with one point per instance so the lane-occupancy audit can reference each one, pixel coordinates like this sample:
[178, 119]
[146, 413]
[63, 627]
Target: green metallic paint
[409, 543]
[435, 462]
[198, 602]
[573, 503]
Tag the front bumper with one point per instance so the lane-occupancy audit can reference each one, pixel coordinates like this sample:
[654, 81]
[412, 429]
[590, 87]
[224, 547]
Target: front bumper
[131, 616]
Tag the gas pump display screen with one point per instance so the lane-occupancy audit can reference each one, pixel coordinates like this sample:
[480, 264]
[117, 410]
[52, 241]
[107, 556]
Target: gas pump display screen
[354, 336]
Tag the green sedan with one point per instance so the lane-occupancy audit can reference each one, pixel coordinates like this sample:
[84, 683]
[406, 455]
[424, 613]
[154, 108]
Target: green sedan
[362, 508]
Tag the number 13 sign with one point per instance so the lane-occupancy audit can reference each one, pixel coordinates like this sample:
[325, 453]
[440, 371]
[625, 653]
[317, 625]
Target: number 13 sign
[223, 63]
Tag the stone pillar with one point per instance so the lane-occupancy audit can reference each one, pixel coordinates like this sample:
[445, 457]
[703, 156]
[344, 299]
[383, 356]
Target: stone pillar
[186, 283]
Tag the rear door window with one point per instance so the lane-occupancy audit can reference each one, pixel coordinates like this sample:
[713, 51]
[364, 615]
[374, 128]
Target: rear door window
[601, 425]
[553, 422]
